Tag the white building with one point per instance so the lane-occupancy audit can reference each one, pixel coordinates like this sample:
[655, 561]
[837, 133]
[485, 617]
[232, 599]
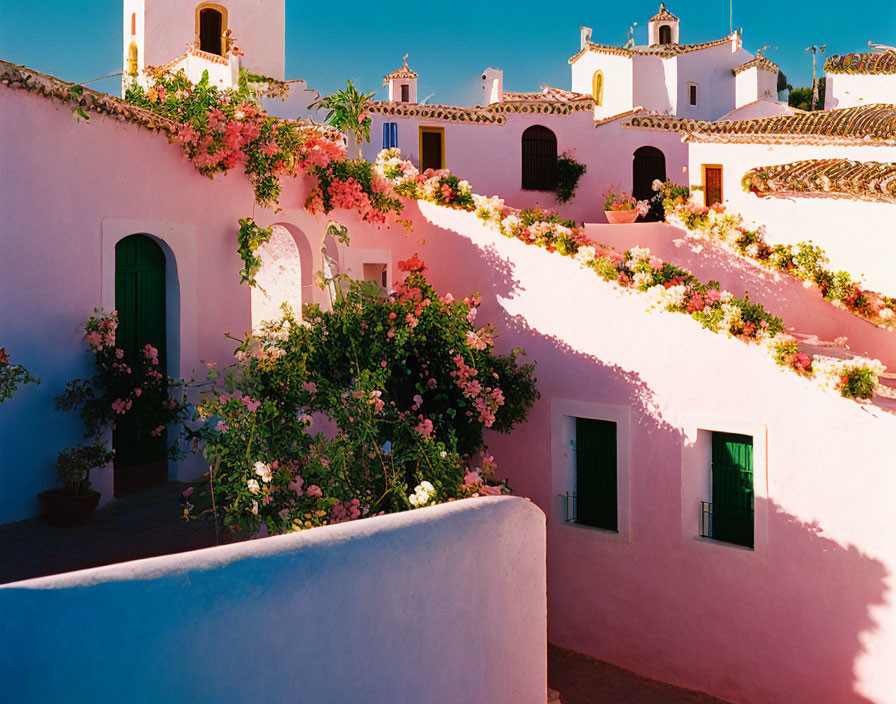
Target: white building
[860, 79]
[704, 81]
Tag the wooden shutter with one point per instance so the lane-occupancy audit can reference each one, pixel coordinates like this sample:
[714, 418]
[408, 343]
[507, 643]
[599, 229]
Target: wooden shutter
[140, 301]
[405, 93]
[732, 488]
[596, 473]
[712, 184]
[539, 152]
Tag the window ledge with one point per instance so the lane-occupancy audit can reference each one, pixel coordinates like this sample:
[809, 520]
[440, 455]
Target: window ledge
[613, 535]
[723, 544]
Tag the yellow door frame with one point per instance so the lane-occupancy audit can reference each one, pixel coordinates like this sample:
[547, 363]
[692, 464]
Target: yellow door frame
[431, 130]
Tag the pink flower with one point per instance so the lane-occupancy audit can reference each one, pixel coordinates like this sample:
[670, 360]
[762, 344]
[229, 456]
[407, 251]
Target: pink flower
[314, 491]
[251, 405]
[221, 427]
[188, 492]
[418, 401]
[383, 363]
[310, 387]
[424, 427]
[487, 490]
[158, 431]
[119, 354]
[296, 485]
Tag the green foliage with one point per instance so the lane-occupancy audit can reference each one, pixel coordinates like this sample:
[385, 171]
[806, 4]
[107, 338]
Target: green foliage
[347, 112]
[404, 383]
[74, 465]
[12, 376]
[250, 238]
[568, 172]
[801, 98]
[858, 382]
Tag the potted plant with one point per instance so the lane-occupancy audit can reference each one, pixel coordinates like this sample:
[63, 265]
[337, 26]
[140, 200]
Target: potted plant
[73, 504]
[621, 207]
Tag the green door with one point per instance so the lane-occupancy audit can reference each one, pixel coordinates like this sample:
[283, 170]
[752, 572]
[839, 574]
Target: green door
[596, 473]
[732, 488]
[140, 457]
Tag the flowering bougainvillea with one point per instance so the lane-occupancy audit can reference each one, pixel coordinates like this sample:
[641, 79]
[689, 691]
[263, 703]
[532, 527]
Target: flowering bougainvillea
[12, 376]
[122, 385]
[804, 261]
[402, 384]
[669, 287]
[616, 200]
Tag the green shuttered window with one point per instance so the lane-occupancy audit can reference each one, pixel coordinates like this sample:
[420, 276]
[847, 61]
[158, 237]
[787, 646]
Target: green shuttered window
[596, 473]
[732, 488]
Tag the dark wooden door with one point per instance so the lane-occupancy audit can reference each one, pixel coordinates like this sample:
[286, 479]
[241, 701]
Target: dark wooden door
[210, 31]
[430, 150]
[713, 184]
[539, 154]
[140, 456]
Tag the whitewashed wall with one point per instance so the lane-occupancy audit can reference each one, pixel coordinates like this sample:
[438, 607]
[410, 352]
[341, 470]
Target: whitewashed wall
[846, 90]
[443, 604]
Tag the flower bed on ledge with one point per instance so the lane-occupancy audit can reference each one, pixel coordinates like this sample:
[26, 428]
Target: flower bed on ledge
[667, 286]
[805, 261]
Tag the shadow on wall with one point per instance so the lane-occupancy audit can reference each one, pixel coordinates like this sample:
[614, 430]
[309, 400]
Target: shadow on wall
[786, 628]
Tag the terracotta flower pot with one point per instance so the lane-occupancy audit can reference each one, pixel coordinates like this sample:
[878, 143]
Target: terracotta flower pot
[618, 217]
[65, 511]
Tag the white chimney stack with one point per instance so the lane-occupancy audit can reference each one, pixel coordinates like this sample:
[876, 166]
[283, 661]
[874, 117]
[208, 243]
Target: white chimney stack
[585, 36]
[492, 86]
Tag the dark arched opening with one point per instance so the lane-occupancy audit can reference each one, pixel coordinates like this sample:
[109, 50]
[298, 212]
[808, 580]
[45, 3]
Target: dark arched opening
[665, 34]
[539, 150]
[648, 165]
[211, 29]
[141, 457]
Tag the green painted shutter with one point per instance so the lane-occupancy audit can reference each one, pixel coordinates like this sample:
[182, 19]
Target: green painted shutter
[140, 301]
[732, 488]
[596, 473]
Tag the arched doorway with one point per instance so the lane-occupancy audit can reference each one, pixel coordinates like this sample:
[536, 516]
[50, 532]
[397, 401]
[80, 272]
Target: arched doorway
[665, 34]
[539, 151]
[141, 458]
[649, 164]
[212, 24]
[279, 280]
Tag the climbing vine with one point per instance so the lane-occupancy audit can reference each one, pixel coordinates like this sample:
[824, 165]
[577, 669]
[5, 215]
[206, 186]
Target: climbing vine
[250, 238]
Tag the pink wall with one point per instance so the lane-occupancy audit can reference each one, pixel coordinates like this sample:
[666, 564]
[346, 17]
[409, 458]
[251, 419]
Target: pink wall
[806, 616]
[606, 150]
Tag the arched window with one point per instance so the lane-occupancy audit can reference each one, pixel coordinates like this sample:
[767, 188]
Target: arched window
[648, 165]
[665, 34]
[279, 279]
[211, 24]
[133, 68]
[539, 158]
[597, 87]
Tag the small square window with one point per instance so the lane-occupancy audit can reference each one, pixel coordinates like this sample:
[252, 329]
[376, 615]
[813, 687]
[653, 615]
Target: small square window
[692, 94]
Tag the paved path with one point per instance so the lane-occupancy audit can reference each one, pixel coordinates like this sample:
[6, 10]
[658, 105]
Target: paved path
[142, 524]
[150, 523]
[584, 680]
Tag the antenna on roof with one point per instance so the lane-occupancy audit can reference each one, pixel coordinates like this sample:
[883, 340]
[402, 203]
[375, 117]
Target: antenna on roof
[631, 36]
[730, 16]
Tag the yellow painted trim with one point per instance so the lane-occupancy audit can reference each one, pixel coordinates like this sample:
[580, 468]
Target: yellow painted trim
[432, 130]
[224, 22]
[703, 168]
[133, 67]
[597, 87]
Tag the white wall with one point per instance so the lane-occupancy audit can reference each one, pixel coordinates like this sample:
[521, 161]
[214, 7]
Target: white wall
[443, 604]
[618, 83]
[857, 235]
[712, 69]
[845, 90]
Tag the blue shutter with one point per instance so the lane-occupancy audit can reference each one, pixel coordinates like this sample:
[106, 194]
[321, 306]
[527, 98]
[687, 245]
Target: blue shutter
[393, 132]
[386, 134]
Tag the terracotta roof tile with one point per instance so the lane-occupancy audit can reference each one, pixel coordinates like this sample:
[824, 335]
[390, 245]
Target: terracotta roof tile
[446, 113]
[867, 180]
[759, 62]
[665, 51]
[866, 124]
[664, 15]
[402, 72]
[89, 100]
[868, 63]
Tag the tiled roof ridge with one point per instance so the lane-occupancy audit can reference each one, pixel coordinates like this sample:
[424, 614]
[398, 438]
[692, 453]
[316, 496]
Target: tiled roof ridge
[560, 103]
[759, 62]
[868, 180]
[868, 62]
[33, 81]
[664, 15]
[449, 113]
[403, 71]
[866, 124]
[662, 50]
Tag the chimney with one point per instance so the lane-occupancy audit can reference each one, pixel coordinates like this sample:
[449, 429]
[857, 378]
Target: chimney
[585, 36]
[492, 86]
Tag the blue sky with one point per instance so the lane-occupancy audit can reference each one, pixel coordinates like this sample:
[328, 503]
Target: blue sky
[449, 45]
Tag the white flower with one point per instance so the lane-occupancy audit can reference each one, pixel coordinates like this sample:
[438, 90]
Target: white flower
[657, 184]
[585, 255]
[753, 250]
[642, 280]
[254, 508]
[726, 296]
[264, 471]
[639, 253]
[253, 486]
[887, 314]
[423, 494]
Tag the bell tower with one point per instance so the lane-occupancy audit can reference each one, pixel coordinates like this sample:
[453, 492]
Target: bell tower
[218, 37]
[663, 28]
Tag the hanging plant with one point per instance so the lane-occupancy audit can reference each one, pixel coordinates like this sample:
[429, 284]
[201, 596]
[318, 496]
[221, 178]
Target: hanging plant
[250, 238]
[568, 172]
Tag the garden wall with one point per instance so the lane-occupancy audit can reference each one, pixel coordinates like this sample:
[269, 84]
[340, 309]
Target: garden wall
[443, 604]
